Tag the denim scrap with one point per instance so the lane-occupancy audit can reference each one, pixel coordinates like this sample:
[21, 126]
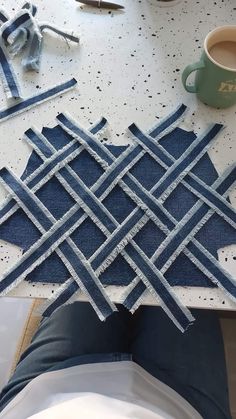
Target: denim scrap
[107, 193]
[17, 33]
[35, 100]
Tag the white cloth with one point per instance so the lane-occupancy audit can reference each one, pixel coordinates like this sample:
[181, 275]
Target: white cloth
[111, 390]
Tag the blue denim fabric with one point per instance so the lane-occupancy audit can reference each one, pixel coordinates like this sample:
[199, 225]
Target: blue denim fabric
[16, 33]
[192, 364]
[216, 233]
[92, 200]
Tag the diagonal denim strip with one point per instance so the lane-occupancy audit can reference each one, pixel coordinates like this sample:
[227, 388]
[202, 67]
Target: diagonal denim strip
[64, 296]
[3, 16]
[168, 121]
[30, 102]
[213, 199]
[159, 287]
[36, 211]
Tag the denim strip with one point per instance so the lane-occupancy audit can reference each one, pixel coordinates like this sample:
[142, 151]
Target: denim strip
[10, 83]
[9, 28]
[183, 165]
[3, 16]
[32, 60]
[118, 240]
[69, 289]
[30, 102]
[73, 259]
[111, 225]
[170, 120]
[31, 7]
[101, 154]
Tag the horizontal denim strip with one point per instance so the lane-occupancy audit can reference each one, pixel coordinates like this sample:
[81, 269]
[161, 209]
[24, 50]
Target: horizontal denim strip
[30, 102]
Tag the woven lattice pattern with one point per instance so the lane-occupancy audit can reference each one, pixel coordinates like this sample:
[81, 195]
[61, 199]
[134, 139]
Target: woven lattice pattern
[88, 210]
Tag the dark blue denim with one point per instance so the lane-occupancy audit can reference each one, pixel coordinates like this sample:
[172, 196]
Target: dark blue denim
[119, 232]
[193, 364]
[216, 233]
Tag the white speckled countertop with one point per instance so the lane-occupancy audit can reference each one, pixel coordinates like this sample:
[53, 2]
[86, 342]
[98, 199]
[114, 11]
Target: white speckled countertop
[128, 67]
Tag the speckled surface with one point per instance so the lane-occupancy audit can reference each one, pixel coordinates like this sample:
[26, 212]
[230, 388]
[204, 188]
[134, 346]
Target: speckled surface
[128, 67]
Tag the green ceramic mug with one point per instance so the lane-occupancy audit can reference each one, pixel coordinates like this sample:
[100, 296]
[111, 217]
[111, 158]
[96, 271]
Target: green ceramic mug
[215, 81]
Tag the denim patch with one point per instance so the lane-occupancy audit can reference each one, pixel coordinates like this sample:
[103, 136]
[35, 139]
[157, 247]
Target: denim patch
[145, 216]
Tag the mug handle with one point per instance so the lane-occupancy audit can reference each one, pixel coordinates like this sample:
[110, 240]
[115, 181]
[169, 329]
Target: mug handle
[187, 71]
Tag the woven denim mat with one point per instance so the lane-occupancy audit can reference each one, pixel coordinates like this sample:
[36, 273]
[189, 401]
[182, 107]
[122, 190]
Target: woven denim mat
[149, 215]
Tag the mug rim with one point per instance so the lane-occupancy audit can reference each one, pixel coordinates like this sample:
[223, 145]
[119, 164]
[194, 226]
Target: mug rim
[206, 49]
